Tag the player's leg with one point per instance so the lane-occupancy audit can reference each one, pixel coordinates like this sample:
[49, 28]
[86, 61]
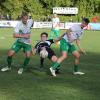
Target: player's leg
[9, 61]
[64, 49]
[51, 34]
[9, 58]
[56, 64]
[27, 59]
[76, 62]
[60, 59]
[57, 33]
[54, 59]
[41, 62]
[27, 48]
[76, 55]
[14, 49]
[52, 56]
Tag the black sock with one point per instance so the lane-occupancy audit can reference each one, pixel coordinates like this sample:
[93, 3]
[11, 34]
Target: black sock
[41, 62]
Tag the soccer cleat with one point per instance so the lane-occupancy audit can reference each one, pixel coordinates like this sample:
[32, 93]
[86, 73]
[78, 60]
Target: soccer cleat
[20, 71]
[57, 71]
[78, 73]
[5, 69]
[52, 71]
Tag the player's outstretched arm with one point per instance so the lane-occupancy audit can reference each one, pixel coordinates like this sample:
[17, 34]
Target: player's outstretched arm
[59, 38]
[81, 50]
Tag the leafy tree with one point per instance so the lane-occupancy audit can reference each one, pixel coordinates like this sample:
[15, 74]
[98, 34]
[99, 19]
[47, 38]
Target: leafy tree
[41, 8]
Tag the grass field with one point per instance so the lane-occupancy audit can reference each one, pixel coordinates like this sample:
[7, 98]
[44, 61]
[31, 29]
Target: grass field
[37, 84]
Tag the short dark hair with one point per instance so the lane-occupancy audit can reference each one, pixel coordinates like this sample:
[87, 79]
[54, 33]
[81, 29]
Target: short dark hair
[44, 33]
[24, 14]
[86, 20]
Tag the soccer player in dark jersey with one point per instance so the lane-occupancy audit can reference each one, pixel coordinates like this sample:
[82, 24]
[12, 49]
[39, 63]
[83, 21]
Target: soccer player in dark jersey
[46, 43]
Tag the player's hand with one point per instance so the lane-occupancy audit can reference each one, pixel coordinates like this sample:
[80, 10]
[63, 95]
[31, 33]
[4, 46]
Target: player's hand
[83, 52]
[33, 51]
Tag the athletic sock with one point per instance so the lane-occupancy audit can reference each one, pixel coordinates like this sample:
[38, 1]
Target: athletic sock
[58, 67]
[76, 68]
[26, 62]
[41, 62]
[55, 65]
[9, 61]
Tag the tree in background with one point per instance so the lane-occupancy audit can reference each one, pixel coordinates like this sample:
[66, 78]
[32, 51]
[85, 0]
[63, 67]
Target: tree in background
[42, 8]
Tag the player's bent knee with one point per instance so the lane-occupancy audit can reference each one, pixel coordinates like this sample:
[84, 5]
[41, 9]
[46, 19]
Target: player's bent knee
[54, 58]
[77, 56]
[11, 53]
[28, 54]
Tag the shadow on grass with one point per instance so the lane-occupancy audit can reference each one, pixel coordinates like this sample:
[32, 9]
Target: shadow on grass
[91, 59]
[87, 85]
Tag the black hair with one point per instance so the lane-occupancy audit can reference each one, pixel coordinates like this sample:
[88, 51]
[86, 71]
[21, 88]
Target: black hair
[44, 33]
[86, 20]
[24, 14]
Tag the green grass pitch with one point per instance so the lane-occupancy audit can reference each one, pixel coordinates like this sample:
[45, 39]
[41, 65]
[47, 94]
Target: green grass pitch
[37, 84]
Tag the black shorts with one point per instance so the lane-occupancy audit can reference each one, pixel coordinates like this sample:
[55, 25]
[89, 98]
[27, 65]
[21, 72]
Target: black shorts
[50, 53]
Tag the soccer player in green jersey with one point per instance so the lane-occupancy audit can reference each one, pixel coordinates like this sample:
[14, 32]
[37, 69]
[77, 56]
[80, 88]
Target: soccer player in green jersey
[22, 35]
[72, 35]
[55, 31]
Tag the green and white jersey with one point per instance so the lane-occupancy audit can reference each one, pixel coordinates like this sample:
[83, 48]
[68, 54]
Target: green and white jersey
[30, 22]
[55, 23]
[23, 29]
[77, 33]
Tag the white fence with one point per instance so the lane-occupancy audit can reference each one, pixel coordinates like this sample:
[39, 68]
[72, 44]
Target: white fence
[66, 25]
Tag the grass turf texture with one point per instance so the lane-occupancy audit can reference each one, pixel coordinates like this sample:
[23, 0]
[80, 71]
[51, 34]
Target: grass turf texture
[37, 84]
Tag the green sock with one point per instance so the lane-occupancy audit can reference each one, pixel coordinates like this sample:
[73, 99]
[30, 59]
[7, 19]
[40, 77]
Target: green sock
[9, 61]
[55, 65]
[26, 62]
[58, 67]
[75, 68]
